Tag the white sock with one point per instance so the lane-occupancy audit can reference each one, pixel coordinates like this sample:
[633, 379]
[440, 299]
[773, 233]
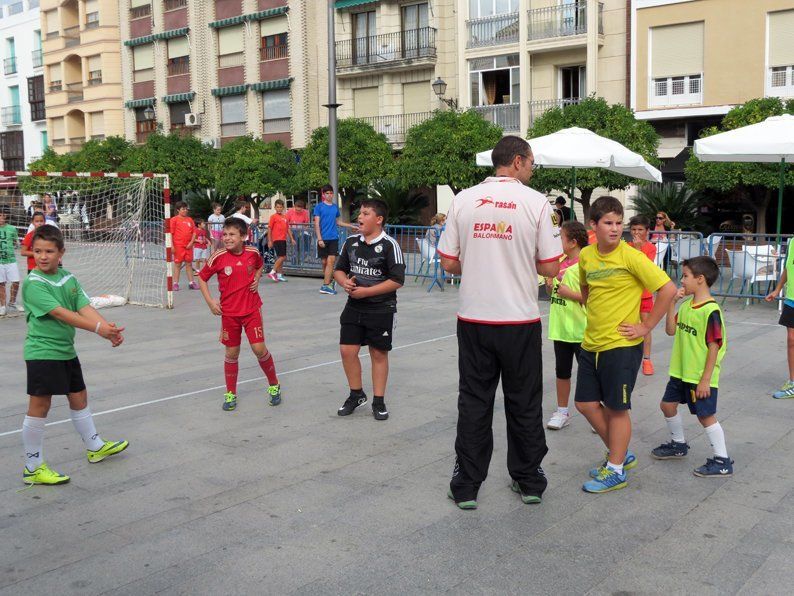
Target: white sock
[33, 440]
[717, 439]
[562, 410]
[84, 424]
[676, 427]
[615, 467]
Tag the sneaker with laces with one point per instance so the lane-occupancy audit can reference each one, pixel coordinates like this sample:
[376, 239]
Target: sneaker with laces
[715, 467]
[647, 366]
[558, 420]
[108, 449]
[525, 497]
[467, 505]
[43, 475]
[193, 285]
[671, 450]
[281, 277]
[379, 411]
[326, 289]
[605, 481]
[629, 463]
[351, 403]
[785, 392]
[17, 307]
[229, 401]
[272, 275]
[274, 395]
[176, 287]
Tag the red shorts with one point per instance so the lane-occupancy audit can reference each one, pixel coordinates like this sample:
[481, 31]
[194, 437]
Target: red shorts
[182, 254]
[232, 328]
[647, 304]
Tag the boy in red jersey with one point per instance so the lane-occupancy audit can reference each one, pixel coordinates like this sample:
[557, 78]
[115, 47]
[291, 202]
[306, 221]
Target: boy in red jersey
[183, 235]
[277, 230]
[239, 269]
[37, 220]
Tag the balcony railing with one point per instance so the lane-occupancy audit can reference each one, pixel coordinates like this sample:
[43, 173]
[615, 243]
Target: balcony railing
[174, 4]
[230, 60]
[58, 142]
[72, 36]
[94, 78]
[504, 115]
[11, 115]
[138, 12]
[56, 86]
[38, 58]
[396, 126]
[74, 92]
[276, 125]
[37, 110]
[53, 34]
[179, 66]
[273, 52]
[780, 81]
[492, 31]
[92, 20]
[561, 21]
[233, 129]
[99, 137]
[537, 108]
[389, 47]
[676, 91]
[10, 65]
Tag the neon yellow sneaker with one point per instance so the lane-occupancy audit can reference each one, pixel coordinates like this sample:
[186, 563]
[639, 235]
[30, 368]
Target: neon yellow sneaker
[274, 391]
[43, 475]
[108, 449]
[229, 401]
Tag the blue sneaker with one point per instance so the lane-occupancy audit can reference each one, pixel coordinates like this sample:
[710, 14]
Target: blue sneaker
[785, 392]
[721, 467]
[671, 450]
[628, 463]
[327, 289]
[606, 481]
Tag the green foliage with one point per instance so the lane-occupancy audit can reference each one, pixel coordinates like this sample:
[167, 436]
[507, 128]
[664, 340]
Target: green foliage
[246, 165]
[364, 155]
[48, 162]
[443, 149]
[681, 205]
[404, 205]
[615, 122]
[200, 202]
[102, 156]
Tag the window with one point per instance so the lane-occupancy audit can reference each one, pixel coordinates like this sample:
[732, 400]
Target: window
[97, 121]
[12, 113]
[37, 54]
[140, 9]
[53, 26]
[676, 65]
[94, 64]
[177, 113]
[44, 141]
[143, 63]
[15, 8]
[143, 126]
[91, 14]
[273, 47]
[415, 32]
[364, 42]
[231, 43]
[178, 56]
[12, 147]
[677, 90]
[780, 59]
[33, 4]
[495, 80]
[416, 97]
[55, 78]
[58, 132]
[573, 83]
[36, 98]
[233, 116]
[10, 61]
[366, 102]
[487, 8]
[276, 111]
[174, 4]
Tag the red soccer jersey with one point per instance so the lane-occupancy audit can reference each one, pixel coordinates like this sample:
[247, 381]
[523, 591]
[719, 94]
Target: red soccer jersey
[26, 243]
[277, 227]
[293, 217]
[235, 276]
[182, 229]
[201, 238]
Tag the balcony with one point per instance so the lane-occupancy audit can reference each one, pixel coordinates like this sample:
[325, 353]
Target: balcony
[11, 115]
[537, 108]
[396, 126]
[274, 52]
[274, 62]
[492, 31]
[563, 21]
[174, 4]
[676, 91]
[139, 12]
[71, 37]
[233, 129]
[142, 135]
[38, 58]
[10, 65]
[56, 86]
[400, 49]
[506, 116]
[94, 78]
[74, 92]
[92, 20]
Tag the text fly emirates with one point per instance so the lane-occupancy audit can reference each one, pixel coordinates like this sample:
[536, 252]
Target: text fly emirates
[493, 231]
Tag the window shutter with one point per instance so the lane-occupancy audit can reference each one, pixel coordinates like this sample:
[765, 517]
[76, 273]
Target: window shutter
[416, 97]
[58, 128]
[273, 26]
[55, 72]
[137, 3]
[231, 40]
[677, 50]
[97, 123]
[94, 63]
[365, 102]
[143, 57]
[178, 46]
[781, 38]
[51, 16]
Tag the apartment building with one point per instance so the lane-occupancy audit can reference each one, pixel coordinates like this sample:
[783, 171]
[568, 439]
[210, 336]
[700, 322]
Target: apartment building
[693, 60]
[220, 69]
[23, 126]
[82, 71]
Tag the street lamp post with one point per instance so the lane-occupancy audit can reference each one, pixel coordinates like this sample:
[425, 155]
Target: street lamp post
[440, 88]
[332, 105]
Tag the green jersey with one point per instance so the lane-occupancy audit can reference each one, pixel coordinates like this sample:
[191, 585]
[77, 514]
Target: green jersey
[8, 244]
[48, 338]
[696, 326]
[790, 271]
[567, 318]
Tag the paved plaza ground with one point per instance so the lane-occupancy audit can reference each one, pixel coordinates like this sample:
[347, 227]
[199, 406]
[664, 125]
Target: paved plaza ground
[295, 499]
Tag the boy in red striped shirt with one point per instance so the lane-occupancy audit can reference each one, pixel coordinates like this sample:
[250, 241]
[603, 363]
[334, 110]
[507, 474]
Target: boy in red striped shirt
[239, 269]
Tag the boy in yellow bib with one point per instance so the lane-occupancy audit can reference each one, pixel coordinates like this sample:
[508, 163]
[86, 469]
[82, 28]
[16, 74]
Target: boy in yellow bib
[698, 348]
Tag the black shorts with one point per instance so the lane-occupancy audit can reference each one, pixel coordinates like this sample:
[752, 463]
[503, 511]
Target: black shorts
[680, 392]
[564, 353]
[280, 247]
[54, 377]
[787, 316]
[372, 329]
[331, 249]
[608, 376]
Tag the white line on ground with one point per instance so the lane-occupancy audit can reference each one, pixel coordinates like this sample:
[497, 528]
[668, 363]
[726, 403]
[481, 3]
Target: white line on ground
[217, 387]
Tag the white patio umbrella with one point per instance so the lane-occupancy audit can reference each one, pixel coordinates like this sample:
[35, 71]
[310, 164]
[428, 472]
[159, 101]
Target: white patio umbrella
[770, 141]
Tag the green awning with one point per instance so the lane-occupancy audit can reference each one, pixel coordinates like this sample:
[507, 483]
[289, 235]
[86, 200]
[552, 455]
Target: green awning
[267, 14]
[349, 3]
[233, 90]
[140, 103]
[271, 85]
[179, 97]
[139, 41]
[171, 33]
[228, 22]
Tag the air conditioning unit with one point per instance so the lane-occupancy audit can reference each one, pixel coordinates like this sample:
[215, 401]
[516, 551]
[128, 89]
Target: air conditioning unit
[192, 120]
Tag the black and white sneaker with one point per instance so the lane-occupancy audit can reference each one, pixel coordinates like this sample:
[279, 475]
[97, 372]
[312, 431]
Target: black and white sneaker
[380, 412]
[351, 403]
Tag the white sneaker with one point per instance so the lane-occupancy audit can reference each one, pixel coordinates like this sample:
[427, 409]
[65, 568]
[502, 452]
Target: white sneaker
[17, 307]
[558, 420]
[2, 311]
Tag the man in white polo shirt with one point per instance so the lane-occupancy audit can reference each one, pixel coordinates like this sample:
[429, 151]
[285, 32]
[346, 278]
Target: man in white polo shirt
[499, 236]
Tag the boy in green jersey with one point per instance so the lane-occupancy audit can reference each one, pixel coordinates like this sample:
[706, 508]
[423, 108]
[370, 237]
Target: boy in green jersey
[698, 349]
[9, 273]
[787, 319]
[56, 304]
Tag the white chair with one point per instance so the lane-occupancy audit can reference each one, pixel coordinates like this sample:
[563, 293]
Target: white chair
[752, 265]
[713, 245]
[661, 249]
[428, 257]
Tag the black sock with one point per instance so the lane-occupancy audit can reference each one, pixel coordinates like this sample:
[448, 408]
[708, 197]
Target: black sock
[356, 392]
[377, 400]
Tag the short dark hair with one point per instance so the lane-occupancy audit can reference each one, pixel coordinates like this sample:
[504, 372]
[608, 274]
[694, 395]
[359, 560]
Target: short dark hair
[49, 233]
[640, 220]
[705, 266]
[379, 207]
[560, 201]
[198, 220]
[279, 202]
[240, 204]
[37, 214]
[215, 205]
[603, 205]
[576, 231]
[300, 203]
[5, 210]
[180, 205]
[326, 188]
[236, 222]
[506, 150]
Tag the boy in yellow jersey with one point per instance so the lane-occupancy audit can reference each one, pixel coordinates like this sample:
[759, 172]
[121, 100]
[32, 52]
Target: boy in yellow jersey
[698, 348]
[787, 319]
[613, 276]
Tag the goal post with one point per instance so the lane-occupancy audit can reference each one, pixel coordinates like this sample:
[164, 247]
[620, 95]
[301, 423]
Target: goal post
[115, 227]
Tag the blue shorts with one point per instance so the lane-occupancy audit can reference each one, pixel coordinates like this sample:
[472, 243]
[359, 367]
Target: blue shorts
[679, 392]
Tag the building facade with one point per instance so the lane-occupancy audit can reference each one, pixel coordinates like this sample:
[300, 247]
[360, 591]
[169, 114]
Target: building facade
[82, 71]
[23, 126]
[693, 60]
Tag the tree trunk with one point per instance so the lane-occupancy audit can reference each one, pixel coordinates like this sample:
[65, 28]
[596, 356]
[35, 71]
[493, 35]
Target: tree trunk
[584, 199]
[758, 199]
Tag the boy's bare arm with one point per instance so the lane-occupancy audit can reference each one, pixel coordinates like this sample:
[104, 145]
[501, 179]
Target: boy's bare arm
[88, 319]
[215, 306]
[452, 266]
[669, 323]
[383, 287]
[774, 293]
[704, 387]
[568, 293]
[664, 296]
[585, 293]
[317, 233]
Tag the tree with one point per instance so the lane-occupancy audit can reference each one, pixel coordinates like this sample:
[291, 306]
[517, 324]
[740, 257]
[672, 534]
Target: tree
[615, 122]
[246, 165]
[443, 149]
[364, 155]
[404, 205]
[102, 156]
[679, 203]
[50, 161]
[754, 182]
